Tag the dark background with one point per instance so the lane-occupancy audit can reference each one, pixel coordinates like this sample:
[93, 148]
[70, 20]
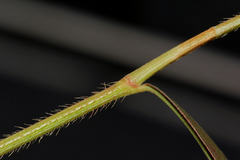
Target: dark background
[116, 133]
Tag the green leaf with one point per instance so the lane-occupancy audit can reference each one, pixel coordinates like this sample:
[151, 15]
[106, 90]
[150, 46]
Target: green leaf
[208, 146]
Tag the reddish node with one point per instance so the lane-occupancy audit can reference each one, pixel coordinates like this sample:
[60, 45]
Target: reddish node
[130, 82]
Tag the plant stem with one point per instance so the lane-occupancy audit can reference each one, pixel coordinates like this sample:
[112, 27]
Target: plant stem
[232, 24]
[141, 74]
[130, 84]
[64, 117]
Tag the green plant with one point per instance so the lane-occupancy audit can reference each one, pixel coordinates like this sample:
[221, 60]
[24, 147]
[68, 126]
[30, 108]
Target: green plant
[130, 84]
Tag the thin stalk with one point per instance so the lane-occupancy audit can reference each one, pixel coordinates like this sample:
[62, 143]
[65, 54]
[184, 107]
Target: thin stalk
[141, 74]
[64, 117]
[130, 84]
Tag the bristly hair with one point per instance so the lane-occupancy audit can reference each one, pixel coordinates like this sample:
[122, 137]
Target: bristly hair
[92, 113]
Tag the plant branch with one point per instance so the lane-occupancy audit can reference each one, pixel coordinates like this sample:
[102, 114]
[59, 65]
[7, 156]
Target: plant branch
[130, 84]
[64, 117]
[141, 74]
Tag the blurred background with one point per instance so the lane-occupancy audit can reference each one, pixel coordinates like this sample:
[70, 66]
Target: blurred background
[53, 51]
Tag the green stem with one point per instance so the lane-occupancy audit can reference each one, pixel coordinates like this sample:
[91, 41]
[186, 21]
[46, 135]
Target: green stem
[130, 84]
[64, 117]
[232, 24]
[149, 69]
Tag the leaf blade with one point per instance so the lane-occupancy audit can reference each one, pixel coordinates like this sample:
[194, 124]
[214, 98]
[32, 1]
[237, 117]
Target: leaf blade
[208, 146]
